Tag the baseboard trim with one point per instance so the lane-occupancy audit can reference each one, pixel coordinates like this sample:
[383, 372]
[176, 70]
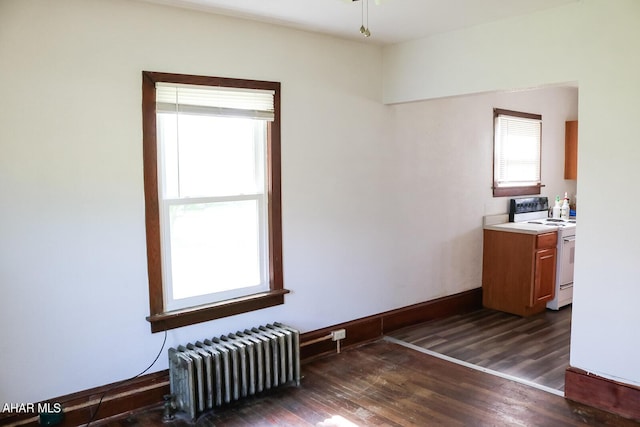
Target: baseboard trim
[120, 398]
[148, 390]
[602, 393]
[373, 327]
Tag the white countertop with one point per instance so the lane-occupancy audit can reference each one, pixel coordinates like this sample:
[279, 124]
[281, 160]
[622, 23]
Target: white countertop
[522, 227]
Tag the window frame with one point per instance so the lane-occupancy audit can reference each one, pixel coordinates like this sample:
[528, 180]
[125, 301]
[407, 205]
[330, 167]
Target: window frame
[159, 318]
[508, 191]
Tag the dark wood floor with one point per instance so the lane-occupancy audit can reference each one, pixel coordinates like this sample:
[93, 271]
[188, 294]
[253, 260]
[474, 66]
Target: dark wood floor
[535, 348]
[385, 384]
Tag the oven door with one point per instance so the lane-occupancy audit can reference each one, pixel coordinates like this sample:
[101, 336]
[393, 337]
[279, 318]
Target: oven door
[568, 255]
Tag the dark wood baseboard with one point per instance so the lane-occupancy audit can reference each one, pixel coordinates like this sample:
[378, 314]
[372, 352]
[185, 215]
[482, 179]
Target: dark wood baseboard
[120, 398]
[612, 396]
[374, 327]
[148, 390]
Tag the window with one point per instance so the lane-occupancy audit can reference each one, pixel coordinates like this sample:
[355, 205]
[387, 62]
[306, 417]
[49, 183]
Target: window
[516, 147]
[212, 197]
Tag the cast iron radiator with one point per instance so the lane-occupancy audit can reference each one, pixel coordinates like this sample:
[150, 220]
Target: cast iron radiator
[216, 371]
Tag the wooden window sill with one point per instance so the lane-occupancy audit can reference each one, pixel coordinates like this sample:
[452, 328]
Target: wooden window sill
[203, 313]
[516, 191]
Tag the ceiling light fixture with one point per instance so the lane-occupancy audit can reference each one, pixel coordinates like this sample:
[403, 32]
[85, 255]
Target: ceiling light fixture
[364, 28]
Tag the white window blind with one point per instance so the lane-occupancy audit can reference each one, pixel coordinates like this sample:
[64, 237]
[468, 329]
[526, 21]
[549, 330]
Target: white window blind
[220, 101]
[517, 151]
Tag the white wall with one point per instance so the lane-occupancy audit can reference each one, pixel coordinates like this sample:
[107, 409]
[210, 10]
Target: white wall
[443, 158]
[593, 42]
[358, 239]
[72, 253]
[444, 153]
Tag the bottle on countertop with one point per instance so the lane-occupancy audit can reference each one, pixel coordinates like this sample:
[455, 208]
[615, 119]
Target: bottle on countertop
[556, 209]
[564, 209]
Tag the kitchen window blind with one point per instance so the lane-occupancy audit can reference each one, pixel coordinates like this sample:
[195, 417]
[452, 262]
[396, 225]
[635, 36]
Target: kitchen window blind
[517, 150]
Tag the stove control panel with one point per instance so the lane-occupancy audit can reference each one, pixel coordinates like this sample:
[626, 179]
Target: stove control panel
[526, 205]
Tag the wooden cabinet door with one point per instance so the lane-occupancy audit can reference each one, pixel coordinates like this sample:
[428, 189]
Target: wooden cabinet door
[571, 150]
[544, 283]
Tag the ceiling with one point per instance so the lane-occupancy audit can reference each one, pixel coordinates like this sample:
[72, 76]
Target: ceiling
[390, 21]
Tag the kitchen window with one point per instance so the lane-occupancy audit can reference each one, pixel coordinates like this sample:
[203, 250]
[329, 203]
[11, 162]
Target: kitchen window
[212, 197]
[517, 152]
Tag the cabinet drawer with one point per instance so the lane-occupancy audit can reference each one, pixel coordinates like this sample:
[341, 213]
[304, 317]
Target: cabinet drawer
[546, 240]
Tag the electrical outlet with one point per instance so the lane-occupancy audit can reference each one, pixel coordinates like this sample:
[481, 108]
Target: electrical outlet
[340, 334]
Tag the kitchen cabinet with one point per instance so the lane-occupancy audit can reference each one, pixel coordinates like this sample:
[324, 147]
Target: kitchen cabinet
[571, 150]
[518, 271]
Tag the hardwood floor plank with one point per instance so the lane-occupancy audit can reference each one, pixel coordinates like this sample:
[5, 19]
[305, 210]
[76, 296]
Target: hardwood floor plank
[534, 348]
[377, 396]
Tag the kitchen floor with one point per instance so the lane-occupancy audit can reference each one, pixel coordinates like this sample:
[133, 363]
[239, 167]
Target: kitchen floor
[534, 349]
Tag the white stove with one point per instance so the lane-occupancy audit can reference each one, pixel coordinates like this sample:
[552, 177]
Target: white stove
[564, 225]
[535, 210]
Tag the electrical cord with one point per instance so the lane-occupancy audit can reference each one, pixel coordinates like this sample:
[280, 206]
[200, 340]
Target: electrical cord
[93, 416]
